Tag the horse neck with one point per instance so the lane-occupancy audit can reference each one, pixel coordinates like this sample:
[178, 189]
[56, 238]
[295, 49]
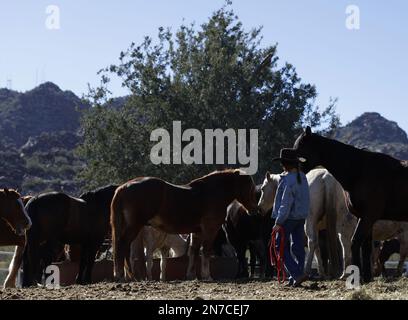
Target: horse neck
[228, 189]
[341, 160]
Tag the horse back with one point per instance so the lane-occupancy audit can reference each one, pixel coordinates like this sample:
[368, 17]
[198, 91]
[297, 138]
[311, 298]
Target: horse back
[152, 201]
[58, 216]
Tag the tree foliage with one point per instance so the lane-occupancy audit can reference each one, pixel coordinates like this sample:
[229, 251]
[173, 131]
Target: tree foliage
[207, 77]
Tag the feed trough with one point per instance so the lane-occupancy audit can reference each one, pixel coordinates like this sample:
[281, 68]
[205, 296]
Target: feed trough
[221, 268]
[102, 271]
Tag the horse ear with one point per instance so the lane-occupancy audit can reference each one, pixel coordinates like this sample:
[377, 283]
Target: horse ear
[268, 176]
[308, 131]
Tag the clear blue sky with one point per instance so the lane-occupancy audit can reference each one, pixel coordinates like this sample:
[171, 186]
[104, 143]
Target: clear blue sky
[366, 69]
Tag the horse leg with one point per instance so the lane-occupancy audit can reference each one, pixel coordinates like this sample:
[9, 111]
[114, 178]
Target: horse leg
[346, 248]
[137, 256]
[148, 246]
[205, 258]
[252, 258]
[149, 261]
[403, 255]
[311, 244]
[367, 252]
[193, 251]
[90, 261]
[14, 267]
[118, 256]
[242, 262]
[121, 252]
[261, 252]
[129, 275]
[362, 242]
[164, 253]
[80, 279]
[31, 262]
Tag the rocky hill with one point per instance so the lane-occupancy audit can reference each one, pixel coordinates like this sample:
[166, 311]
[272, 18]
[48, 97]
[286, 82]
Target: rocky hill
[376, 133]
[38, 135]
[45, 109]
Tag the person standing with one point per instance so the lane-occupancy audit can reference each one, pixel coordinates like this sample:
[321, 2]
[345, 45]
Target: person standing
[290, 210]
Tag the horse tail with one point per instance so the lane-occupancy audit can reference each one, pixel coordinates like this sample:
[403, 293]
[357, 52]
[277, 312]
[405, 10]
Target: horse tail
[332, 237]
[116, 221]
[116, 215]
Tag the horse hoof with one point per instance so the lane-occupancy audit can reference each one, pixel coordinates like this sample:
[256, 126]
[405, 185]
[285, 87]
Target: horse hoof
[191, 277]
[207, 279]
[120, 279]
[9, 285]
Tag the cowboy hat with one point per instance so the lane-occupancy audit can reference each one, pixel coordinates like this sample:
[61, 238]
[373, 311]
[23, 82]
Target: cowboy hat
[289, 155]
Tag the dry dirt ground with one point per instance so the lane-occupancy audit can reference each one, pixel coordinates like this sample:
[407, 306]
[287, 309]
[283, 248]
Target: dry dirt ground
[237, 290]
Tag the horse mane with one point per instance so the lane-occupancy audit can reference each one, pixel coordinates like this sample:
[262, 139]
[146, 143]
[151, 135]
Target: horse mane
[360, 151]
[218, 174]
[93, 192]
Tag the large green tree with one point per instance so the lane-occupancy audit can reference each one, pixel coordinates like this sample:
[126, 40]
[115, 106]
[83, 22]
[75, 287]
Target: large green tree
[216, 75]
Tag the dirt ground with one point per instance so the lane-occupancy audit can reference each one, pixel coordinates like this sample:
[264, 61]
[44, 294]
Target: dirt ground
[236, 290]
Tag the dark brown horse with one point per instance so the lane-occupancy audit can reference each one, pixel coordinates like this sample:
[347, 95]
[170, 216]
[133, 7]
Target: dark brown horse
[377, 186]
[199, 208]
[242, 232]
[7, 235]
[59, 219]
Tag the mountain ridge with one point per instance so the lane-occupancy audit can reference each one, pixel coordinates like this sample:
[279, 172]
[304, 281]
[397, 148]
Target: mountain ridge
[39, 132]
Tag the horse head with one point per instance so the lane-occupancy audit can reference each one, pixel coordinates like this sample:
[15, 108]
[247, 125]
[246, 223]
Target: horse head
[247, 191]
[306, 146]
[268, 192]
[12, 211]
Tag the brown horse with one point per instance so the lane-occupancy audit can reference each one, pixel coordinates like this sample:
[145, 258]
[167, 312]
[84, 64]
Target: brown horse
[9, 238]
[376, 184]
[199, 208]
[13, 217]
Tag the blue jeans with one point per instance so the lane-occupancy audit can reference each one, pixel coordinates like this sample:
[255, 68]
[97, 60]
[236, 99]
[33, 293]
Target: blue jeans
[294, 251]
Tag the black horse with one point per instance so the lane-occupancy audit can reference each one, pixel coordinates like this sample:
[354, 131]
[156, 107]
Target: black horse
[243, 232]
[62, 219]
[376, 186]
[98, 203]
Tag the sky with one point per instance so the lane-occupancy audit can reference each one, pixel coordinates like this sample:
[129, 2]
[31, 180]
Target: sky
[365, 69]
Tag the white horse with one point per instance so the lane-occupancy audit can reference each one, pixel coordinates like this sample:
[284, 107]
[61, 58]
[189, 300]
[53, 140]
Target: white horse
[328, 210]
[151, 239]
[268, 192]
[327, 203]
[321, 187]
